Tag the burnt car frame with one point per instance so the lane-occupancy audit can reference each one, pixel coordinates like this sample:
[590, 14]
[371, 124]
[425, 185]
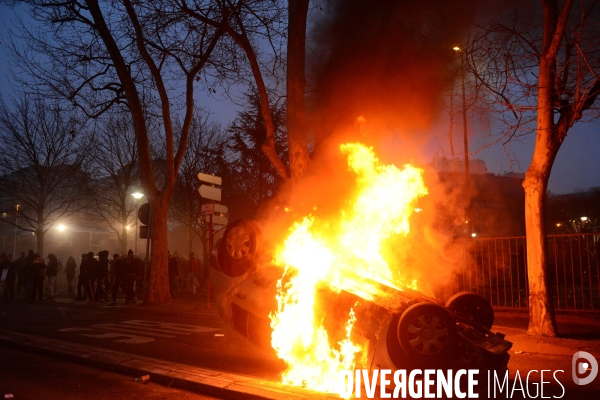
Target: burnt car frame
[412, 331]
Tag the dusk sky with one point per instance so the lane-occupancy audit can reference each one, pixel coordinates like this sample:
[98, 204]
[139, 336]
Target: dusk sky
[577, 166]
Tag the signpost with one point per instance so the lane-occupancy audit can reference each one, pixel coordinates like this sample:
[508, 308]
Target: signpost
[215, 180]
[216, 219]
[210, 192]
[145, 217]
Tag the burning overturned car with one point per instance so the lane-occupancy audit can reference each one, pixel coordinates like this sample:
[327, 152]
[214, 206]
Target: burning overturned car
[326, 299]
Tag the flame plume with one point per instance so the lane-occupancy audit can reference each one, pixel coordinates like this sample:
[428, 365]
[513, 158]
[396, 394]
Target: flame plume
[346, 254]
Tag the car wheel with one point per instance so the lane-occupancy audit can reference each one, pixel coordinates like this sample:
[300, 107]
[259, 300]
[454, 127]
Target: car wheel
[427, 334]
[474, 306]
[239, 247]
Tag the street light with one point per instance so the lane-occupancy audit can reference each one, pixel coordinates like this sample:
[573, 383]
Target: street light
[584, 219]
[136, 196]
[466, 136]
[15, 241]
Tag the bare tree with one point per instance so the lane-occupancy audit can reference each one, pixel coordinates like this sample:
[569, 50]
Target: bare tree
[43, 168]
[541, 70]
[100, 54]
[117, 174]
[251, 25]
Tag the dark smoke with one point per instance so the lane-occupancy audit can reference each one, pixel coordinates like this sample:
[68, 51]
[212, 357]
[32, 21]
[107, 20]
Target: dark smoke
[386, 60]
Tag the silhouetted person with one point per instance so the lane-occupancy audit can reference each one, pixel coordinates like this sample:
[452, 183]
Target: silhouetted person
[37, 278]
[70, 272]
[102, 276]
[21, 282]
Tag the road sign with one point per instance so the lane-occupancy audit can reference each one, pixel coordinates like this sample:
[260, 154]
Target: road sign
[208, 209]
[215, 180]
[221, 208]
[209, 192]
[145, 232]
[144, 213]
[216, 219]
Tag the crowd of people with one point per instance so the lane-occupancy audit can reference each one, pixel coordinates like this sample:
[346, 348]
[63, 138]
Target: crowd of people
[98, 281]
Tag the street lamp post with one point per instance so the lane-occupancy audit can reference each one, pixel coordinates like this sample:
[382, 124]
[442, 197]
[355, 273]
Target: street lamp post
[465, 138]
[15, 241]
[136, 196]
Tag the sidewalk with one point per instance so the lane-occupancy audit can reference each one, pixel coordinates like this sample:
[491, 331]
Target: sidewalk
[577, 331]
[201, 380]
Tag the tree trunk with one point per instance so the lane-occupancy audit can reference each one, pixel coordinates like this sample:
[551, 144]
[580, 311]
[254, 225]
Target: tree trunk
[158, 281]
[124, 240]
[39, 237]
[190, 238]
[296, 84]
[541, 312]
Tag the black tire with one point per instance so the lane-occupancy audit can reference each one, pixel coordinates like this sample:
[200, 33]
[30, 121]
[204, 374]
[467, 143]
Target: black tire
[240, 246]
[428, 334]
[473, 306]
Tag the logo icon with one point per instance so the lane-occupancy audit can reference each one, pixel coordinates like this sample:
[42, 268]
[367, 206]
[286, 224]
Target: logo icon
[580, 367]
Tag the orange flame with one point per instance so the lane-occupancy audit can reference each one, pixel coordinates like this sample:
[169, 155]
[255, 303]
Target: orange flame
[343, 255]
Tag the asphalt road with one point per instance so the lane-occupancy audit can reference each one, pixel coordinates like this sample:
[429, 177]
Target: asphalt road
[32, 376]
[197, 336]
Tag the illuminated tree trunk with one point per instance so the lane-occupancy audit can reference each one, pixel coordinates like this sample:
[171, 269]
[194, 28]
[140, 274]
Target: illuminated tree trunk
[549, 137]
[296, 84]
[158, 283]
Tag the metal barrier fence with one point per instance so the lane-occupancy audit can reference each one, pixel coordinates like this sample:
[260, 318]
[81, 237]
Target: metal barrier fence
[496, 268]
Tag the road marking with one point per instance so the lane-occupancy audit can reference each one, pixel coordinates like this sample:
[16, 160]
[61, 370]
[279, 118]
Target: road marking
[133, 339]
[180, 329]
[74, 329]
[133, 330]
[121, 328]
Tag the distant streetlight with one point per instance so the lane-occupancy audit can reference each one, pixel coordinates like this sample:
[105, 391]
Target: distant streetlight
[62, 229]
[136, 196]
[473, 234]
[584, 219]
[466, 136]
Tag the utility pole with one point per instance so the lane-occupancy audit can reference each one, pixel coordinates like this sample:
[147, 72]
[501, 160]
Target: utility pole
[466, 142]
[15, 241]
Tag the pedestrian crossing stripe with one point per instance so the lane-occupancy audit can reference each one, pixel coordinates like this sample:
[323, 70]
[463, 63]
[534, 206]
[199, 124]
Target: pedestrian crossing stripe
[138, 331]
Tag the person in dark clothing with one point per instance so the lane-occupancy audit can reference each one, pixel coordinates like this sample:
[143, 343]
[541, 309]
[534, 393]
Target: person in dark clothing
[111, 269]
[91, 269]
[28, 272]
[173, 272]
[3, 270]
[70, 272]
[20, 264]
[131, 271]
[37, 278]
[81, 279]
[102, 276]
[11, 276]
[51, 271]
[119, 279]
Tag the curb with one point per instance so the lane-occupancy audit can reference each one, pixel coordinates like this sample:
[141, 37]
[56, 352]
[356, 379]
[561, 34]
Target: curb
[524, 343]
[200, 380]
